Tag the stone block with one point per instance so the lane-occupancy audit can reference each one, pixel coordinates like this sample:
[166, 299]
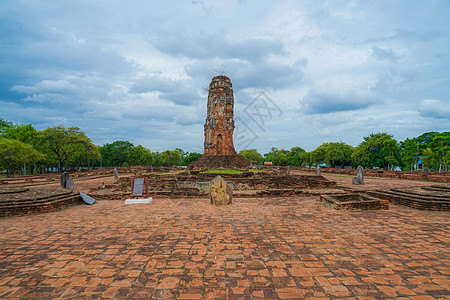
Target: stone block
[221, 193]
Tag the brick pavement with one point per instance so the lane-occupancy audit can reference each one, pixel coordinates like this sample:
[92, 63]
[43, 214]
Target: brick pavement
[281, 248]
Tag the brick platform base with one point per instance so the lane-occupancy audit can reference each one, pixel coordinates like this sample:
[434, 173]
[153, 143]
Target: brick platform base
[220, 161]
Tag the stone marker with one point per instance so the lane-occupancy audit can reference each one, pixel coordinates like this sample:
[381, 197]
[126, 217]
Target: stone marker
[317, 172]
[64, 179]
[116, 175]
[70, 184]
[289, 169]
[87, 199]
[138, 187]
[151, 169]
[359, 179]
[221, 192]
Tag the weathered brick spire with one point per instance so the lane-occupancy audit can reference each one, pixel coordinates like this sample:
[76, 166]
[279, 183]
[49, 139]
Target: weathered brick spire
[219, 127]
[219, 124]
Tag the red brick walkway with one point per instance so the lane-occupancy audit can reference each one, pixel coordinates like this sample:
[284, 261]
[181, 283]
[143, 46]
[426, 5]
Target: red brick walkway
[283, 248]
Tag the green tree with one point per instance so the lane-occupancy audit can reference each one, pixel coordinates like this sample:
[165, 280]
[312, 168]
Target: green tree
[298, 156]
[252, 155]
[25, 133]
[440, 146]
[14, 153]
[115, 154]
[139, 156]
[64, 143]
[190, 157]
[434, 147]
[319, 154]
[157, 158]
[408, 152]
[335, 154]
[339, 154]
[4, 125]
[170, 158]
[84, 156]
[277, 157]
[372, 152]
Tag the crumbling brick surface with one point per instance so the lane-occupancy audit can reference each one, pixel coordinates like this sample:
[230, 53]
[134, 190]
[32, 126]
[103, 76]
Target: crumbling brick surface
[18, 201]
[219, 126]
[354, 201]
[255, 248]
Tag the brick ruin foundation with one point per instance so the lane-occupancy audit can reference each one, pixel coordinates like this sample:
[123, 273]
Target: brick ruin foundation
[354, 201]
[245, 184]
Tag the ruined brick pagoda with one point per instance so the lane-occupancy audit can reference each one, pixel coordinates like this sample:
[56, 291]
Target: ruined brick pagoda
[219, 126]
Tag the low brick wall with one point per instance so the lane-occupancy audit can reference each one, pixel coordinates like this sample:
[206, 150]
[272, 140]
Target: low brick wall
[47, 205]
[364, 203]
[414, 201]
[419, 176]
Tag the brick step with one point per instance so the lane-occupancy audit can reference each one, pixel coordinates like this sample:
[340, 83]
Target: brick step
[418, 195]
[414, 202]
[39, 207]
[437, 188]
[37, 200]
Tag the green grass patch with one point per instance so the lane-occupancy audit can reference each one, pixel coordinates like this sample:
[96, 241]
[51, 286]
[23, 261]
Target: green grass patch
[222, 171]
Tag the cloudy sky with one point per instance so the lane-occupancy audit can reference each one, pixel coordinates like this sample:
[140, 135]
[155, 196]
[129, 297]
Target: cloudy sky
[303, 72]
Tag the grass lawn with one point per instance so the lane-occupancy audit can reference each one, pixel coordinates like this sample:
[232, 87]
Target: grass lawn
[222, 171]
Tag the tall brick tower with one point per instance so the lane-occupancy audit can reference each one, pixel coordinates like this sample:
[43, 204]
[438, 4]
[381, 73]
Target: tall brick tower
[219, 127]
[219, 124]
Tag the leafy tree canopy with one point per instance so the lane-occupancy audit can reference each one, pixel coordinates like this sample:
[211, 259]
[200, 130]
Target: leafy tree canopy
[139, 156]
[252, 155]
[374, 150]
[14, 153]
[277, 157]
[116, 153]
[65, 143]
[170, 158]
[4, 125]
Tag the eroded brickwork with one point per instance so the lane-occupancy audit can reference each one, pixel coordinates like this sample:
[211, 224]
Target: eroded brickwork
[219, 125]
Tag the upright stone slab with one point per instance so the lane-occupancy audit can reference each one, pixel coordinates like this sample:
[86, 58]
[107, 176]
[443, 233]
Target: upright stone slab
[289, 169]
[221, 193]
[359, 179]
[64, 178]
[360, 175]
[317, 172]
[70, 184]
[138, 187]
[116, 175]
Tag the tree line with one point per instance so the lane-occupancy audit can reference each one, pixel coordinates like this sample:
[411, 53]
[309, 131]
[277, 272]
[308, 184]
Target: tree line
[25, 149]
[430, 151]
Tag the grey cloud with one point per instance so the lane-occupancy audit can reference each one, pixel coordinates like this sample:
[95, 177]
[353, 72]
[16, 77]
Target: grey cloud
[323, 102]
[246, 74]
[434, 109]
[206, 46]
[46, 86]
[179, 92]
[408, 35]
[381, 54]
